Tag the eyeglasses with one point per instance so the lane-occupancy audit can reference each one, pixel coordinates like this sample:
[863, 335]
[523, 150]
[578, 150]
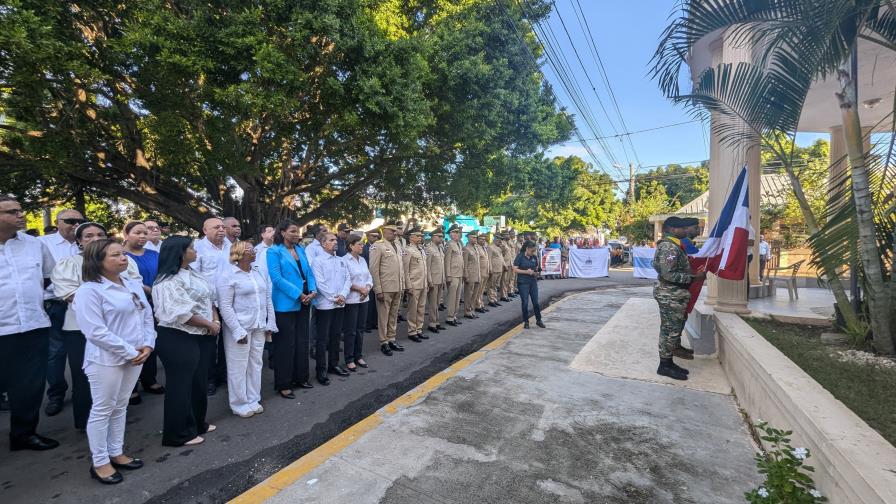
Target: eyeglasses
[74, 222]
[137, 301]
[14, 211]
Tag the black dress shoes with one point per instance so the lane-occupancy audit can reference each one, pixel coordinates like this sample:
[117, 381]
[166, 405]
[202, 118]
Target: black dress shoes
[423, 336]
[493, 304]
[442, 307]
[434, 330]
[34, 442]
[480, 310]
[440, 327]
[451, 323]
[525, 325]
[338, 370]
[506, 300]
[395, 346]
[115, 479]
[401, 318]
[469, 316]
[305, 385]
[131, 466]
[385, 349]
[415, 338]
[539, 324]
[54, 407]
[323, 380]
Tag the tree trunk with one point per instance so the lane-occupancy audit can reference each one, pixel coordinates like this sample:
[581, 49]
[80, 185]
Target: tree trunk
[853, 324]
[876, 292]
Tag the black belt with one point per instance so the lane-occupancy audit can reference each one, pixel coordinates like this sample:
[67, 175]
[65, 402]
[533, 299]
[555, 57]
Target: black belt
[684, 286]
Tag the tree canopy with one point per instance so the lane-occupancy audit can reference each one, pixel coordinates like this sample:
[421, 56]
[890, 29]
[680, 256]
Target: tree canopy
[271, 109]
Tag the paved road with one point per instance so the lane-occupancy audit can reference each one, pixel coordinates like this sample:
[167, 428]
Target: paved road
[243, 452]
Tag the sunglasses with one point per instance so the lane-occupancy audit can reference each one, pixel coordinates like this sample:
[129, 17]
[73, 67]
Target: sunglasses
[137, 301]
[74, 222]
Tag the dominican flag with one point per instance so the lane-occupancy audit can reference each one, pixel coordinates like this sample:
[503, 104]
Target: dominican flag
[725, 251]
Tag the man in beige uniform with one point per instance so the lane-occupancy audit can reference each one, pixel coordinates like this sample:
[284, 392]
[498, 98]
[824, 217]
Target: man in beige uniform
[472, 275]
[485, 270]
[496, 269]
[435, 268]
[416, 275]
[387, 271]
[507, 276]
[454, 274]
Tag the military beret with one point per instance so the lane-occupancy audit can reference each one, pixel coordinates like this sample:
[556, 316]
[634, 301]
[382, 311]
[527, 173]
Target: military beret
[437, 232]
[674, 222]
[690, 221]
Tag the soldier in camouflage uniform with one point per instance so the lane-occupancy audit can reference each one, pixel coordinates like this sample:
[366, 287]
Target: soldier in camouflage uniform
[672, 295]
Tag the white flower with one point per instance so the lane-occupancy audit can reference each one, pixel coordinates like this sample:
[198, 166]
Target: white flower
[762, 492]
[800, 453]
[815, 493]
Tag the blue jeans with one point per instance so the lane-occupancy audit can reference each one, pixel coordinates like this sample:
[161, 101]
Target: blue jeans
[529, 290]
[56, 384]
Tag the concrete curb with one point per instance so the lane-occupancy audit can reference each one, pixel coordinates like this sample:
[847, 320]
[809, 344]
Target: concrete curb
[853, 463]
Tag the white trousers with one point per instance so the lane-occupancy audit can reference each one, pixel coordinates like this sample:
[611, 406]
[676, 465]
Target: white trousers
[110, 388]
[244, 363]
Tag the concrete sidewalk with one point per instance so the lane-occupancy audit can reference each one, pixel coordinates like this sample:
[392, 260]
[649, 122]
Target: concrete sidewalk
[515, 424]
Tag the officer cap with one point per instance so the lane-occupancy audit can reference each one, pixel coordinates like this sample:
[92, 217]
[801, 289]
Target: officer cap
[455, 227]
[690, 221]
[473, 233]
[415, 231]
[344, 227]
[674, 222]
[437, 232]
[392, 225]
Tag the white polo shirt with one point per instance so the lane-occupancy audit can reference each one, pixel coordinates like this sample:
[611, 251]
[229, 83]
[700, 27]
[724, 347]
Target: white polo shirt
[25, 262]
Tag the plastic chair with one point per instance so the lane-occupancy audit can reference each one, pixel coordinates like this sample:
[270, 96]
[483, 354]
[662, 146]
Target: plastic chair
[788, 281]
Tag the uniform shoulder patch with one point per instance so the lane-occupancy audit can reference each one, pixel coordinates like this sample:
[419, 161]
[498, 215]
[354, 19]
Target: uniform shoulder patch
[373, 247]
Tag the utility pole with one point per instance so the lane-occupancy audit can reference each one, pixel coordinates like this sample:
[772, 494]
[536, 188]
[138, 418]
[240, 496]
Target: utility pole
[631, 182]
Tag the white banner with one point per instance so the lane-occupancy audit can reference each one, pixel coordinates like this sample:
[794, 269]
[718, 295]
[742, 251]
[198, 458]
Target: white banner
[642, 260]
[589, 263]
[550, 262]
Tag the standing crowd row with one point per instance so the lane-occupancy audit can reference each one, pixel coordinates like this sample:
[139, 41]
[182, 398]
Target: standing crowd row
[208, 308]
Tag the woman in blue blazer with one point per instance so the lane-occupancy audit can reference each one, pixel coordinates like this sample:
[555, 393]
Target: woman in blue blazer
[293, 289]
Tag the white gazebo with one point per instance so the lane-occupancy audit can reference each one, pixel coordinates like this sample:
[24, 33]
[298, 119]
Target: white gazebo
[821, 114]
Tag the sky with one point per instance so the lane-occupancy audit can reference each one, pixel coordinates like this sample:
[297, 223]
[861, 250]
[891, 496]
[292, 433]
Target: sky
[626, 35]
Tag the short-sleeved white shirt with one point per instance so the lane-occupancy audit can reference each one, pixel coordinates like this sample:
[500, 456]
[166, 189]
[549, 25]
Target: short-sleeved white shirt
[25, 262]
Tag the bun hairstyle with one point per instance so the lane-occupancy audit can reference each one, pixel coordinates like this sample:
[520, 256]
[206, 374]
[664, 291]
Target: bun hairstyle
[79, 231]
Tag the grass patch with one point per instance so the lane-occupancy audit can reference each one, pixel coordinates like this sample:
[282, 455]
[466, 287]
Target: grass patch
[865, 389]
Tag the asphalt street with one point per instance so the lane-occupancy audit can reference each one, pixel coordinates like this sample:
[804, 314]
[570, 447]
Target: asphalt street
[243, 452]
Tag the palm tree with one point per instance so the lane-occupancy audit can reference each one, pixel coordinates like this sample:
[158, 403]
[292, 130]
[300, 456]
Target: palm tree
[798, 42]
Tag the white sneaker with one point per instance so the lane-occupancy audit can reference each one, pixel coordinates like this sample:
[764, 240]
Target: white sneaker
[247, 414]
[258, 409]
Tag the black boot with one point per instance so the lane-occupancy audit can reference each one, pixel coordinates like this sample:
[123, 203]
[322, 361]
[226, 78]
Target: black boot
[668, 368]
[676, 366]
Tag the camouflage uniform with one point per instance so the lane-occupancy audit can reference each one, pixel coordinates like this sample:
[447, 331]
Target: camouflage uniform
[671, 293]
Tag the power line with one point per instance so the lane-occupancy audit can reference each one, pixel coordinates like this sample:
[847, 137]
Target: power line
[640, 131]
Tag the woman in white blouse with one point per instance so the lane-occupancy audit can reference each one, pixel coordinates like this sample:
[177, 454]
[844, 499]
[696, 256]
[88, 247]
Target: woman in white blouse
[188, 327]
[114, 315]
[333, 286]
[244, 299]
[356, 304]
[66, 279]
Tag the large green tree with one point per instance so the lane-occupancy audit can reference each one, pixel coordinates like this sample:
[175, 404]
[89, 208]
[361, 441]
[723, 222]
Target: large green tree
[262, 110]
[682, 183]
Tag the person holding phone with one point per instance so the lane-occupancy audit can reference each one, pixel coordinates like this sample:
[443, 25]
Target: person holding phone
[527, 269]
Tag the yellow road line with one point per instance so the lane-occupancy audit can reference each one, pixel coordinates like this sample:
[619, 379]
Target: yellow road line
[294, 471]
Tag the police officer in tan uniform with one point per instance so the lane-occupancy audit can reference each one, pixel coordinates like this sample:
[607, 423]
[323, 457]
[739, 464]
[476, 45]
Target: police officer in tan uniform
[387, 271]
[435, 268]
[485, 270]
[496, 270]
[417, 278]
[472, 275]
[507, 276]
[454, 275]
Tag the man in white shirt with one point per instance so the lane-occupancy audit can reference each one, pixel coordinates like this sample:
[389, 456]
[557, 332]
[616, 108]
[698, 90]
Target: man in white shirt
[212, 258]
[266, 232]
[232, 229]
[25, 267]
[61, 245]
[765, 253]
[154, 240]
[314, 249]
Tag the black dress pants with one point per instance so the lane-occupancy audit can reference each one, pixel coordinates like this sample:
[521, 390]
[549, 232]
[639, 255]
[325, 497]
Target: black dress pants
[329, 329]
[23, 368]
[186, 358]
[353, 330]
[291, 348]
[371, 312]
[81, 400]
